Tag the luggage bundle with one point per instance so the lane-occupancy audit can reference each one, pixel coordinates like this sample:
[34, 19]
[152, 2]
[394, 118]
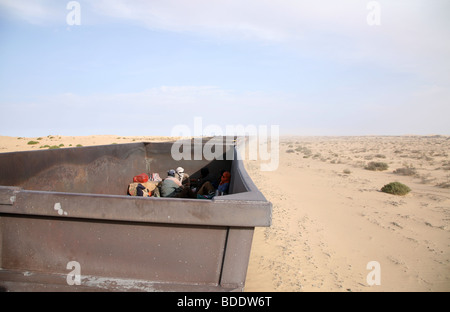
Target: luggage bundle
[144, 186]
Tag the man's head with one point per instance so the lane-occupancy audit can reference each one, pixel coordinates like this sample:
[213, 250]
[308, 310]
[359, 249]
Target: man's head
[171, 173]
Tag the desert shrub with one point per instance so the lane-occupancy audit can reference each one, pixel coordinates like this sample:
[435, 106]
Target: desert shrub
[290, 151]
[55, 146]
[444, 185]
[406, 171]
[376, 166]
[396, 188]
[425, 178]
[32, 142]
[306, 151]
[347, 171]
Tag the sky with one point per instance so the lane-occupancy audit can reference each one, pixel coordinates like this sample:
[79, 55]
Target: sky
[310, 67]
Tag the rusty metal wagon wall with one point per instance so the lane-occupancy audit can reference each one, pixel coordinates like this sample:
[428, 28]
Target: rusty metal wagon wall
[65, 206]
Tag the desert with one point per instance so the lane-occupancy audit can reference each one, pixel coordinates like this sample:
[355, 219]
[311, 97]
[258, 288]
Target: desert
[330, 219]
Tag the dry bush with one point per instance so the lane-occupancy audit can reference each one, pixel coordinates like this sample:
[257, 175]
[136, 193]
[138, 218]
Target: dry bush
[377, 166]
[396, 188]
[406, 171]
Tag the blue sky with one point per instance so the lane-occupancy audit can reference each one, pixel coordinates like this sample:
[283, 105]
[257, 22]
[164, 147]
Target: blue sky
[143, 67]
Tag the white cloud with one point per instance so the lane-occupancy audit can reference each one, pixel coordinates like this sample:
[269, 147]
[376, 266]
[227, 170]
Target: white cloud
[413, 35]
[41, 12]
[252, 19]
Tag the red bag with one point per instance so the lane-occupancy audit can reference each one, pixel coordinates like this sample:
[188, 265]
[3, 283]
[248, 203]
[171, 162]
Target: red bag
[141, 178]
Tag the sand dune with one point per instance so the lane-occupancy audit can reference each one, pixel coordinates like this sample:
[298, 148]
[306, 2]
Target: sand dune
[330, 218]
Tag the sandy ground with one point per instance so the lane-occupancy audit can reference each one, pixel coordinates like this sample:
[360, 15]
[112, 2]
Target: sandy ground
[330, 218]
[12, 144]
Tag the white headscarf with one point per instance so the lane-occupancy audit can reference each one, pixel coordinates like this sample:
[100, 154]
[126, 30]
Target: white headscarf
[180, 172]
